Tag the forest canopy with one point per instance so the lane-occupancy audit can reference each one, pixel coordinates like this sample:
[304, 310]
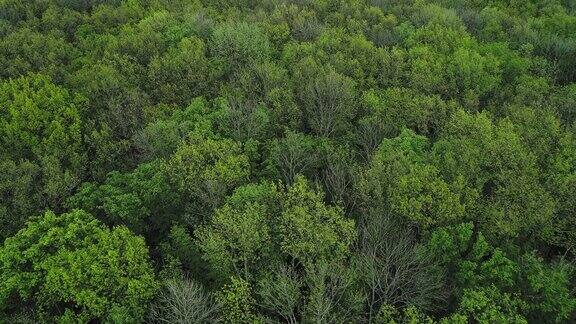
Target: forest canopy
[288, 161]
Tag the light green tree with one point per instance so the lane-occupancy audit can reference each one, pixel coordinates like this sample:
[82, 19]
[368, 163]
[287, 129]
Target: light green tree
[72, 267]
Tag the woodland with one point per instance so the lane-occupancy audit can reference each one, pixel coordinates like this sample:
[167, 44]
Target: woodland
[288, 161]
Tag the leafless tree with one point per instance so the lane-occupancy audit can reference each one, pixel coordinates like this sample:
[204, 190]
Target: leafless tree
[339, 176]
[329, 103]
[184, 302]
[370, 136]
[280, 294]
[243, 118]
[334, 297]
[395, 271]
[294, 154]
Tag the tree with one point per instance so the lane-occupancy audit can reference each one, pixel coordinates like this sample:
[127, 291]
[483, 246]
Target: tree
[498, 172]
[237, 302]
[41, 138]
[116, 112]
[490, 305]
[402, 181]
[294, 154]
[161, 137]
[328, 102]
[18, 187]
[339, 174]
[261, 225]
[184, 302]
[181, 255]
[334, 294]
[391, 110]
[143, 200]
[242, 119]
[71, 267]
[381, 161]
[114, 100]
[394, 270]
[86, 5]
[262, 96]
[28, 51]
[238, 239]
[310, 231]
[484, 276]
[183, 73]
[494, 285]
[447, 61]
[564, 102]
[239, 45]
[562, 183]
[280, 293]
[411, 314]
[548, 288]
[204, 171]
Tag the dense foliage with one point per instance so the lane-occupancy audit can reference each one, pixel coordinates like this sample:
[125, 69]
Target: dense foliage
[316, 161]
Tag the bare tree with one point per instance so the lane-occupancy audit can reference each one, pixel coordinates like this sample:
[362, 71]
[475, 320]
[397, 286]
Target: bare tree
[395, 271]
[334, 295]
[280, 293]
[295, 154]
[370, 134]
[243, 118]
[184, 302]
[329, 103]
[339, 176]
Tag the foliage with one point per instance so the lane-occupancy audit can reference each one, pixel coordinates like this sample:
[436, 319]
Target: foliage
[304, 228]
[42, 147]
[236, 241]
[237, 302]
[380, 161]
[205, 170]
[310, 231]
[71, 267]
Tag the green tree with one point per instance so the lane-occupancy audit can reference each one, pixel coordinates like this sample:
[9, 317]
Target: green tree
[498, 175]
[311, 231]
[181, 255]
[402, 181]
[493, 285]
[562, 183]
[242, 119]
[143, 200]
[564, 102]
[169, 126]
[389, 111]
[41, 139]
[294, 154]
[260, 225]
[181, 74]
[238, 239]
[26, 50]
[204, 171]
[237, 302]
[485, 276]
[71, 267]
[548, 289]
[328, 102]
[116, 112]
[21, 196]
[239, 45]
